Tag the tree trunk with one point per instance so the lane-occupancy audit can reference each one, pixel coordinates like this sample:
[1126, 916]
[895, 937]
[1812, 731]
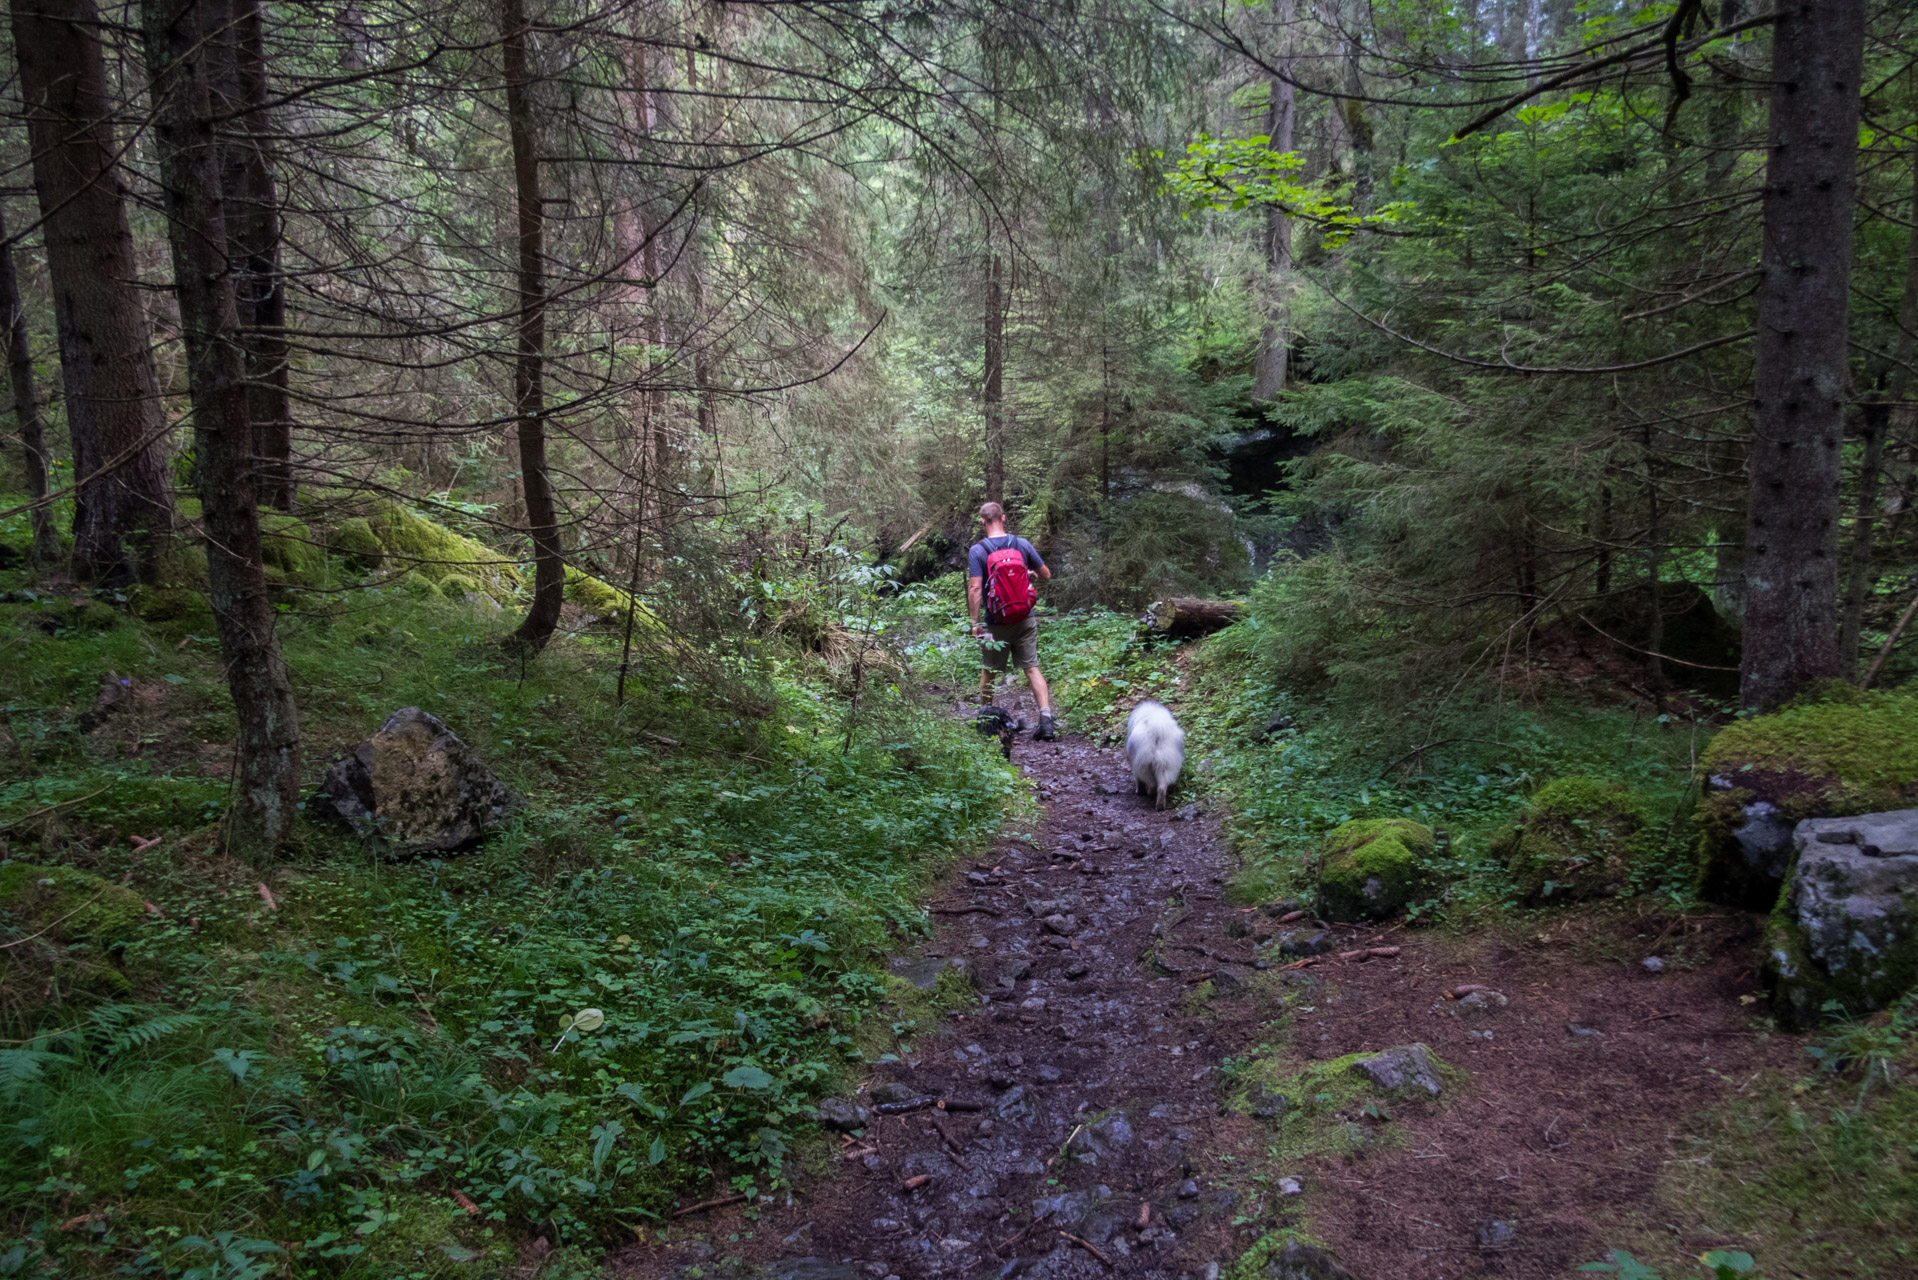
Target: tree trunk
[43, 550]
[1275, 343]
[1183, 617]
[529, 368]
[993, 398]
[114, 416]
[189, 56]
[1791, 560]
[254, 227]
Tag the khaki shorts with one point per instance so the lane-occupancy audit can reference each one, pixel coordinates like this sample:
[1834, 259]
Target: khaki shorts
[1017, 641]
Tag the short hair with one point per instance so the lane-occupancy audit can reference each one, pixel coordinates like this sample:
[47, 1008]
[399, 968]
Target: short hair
[992, 513]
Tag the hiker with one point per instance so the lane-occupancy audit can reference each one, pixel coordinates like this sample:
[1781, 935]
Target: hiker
[999, 571]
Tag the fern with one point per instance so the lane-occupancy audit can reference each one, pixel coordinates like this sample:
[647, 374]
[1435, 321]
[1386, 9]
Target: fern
[110, 1025]
[21, 1068]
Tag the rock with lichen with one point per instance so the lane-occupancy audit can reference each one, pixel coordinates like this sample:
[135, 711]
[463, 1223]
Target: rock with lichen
[1843, 938]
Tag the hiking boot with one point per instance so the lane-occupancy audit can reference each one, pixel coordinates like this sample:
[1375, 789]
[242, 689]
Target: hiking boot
[1045, 733]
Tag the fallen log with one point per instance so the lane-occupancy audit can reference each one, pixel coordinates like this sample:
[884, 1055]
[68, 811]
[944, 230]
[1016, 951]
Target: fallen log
[1187, 617]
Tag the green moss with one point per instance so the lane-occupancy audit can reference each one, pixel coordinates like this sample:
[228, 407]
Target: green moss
[1324, 1104]
[1837, 757]
[355, 544]
[70, 904]
[1813, 759]
[178, 605]
[434, 552]
[1576, 840]
[76, 922]
[460, 587]
[288, 545]
[1374, 868]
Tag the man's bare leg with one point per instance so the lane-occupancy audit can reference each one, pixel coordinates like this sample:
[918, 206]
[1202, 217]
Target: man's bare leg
[985, 686]
[1040, 693]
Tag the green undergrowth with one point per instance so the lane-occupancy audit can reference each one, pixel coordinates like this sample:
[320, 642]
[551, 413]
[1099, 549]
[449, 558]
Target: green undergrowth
[348, 1066]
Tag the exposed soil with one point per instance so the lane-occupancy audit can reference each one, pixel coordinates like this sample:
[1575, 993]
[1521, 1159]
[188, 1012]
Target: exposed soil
[1089, 1089]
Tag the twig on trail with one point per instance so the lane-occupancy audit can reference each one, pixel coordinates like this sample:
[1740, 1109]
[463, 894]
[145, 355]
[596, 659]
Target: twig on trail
[713, 1203]
[1201, 976]
[1145, 1214]
[900, 1108]
[916, 1181]
[858, 1153]
[1021, 1233]
[1087, 1245]
[965, 911]
[1366, 953]
[1464, 989]
[958, 1152]
[1658, 1017]
[1290, 916]
[1300, 964]
[954, 1104]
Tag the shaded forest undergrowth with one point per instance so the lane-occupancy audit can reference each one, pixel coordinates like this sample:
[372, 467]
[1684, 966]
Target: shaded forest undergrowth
[346, 1065]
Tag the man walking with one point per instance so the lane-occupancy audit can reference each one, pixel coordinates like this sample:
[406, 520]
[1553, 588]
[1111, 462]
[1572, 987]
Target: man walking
[999, 571]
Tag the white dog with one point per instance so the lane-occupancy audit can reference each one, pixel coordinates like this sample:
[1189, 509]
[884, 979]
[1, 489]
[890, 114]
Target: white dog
[1155, 748]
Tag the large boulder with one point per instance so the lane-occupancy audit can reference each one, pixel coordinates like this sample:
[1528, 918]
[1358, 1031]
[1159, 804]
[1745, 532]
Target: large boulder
[1845, 932]
[1577, 839]
[414, 787]
[1374, 868]
[72, 925]
[1833, 753]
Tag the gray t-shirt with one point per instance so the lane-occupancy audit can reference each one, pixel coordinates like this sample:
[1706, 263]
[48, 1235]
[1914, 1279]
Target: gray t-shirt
[976, 558]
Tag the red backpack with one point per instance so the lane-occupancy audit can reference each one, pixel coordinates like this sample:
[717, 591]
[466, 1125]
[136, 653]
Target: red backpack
[1009, 596]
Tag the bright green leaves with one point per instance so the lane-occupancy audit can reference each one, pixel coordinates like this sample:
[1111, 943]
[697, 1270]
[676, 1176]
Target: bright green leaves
[1244, 173]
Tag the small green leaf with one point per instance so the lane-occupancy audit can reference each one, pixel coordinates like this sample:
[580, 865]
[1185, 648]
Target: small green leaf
[747, 1078]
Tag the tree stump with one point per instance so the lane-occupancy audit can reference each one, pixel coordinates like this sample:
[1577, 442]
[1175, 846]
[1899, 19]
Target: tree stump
[1179, 618]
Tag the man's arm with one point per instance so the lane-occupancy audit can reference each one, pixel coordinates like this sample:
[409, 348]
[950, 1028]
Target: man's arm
[975, 592]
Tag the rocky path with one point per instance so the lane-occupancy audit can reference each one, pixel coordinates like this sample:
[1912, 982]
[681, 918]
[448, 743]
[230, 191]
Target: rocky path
[1070, 1125]
[1062, 1127]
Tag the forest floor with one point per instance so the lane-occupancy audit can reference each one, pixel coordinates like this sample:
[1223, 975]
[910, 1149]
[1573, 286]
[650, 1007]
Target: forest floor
[1117, 1102]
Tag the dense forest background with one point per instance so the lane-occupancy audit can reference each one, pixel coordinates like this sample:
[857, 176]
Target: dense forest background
[618, 379]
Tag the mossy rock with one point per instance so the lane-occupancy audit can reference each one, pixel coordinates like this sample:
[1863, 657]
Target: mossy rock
[1576, 840]
[1821, 756]
[289, 546]
[1843, 938]
[77, 924]
[434, 552]
[605, 603]
[464, 588]
[181, 607]
[354, 543]
[70, 905]
[1376, 867]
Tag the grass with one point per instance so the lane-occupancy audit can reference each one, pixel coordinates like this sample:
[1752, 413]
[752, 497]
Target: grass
[370, 1074]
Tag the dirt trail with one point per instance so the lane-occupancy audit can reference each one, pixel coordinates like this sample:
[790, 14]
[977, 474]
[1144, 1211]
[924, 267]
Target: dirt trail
[1087, 1090]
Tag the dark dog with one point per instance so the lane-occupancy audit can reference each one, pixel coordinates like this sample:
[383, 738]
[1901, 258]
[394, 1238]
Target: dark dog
[997, 722]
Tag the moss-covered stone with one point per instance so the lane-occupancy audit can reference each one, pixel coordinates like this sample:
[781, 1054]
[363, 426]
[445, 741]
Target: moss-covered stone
[1376, 867]
[594, 597]
[69, 904]
[434, 552]
[1841, 941]
[77, 924]
[355, 545]
[288, 545]
[1855, 753]
[1576, 840]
